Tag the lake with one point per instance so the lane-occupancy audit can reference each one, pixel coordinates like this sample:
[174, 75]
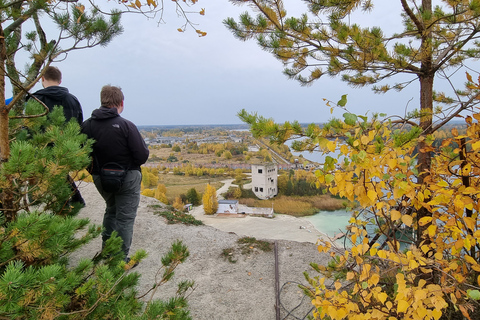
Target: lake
[330, 222]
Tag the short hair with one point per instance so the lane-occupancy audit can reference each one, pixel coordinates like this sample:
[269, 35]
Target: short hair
[111, 96]
[52, 74]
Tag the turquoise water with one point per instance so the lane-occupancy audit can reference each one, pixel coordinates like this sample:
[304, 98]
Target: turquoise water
[330, 222]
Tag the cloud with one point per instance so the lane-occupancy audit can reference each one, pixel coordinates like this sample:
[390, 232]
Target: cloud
[172, 78]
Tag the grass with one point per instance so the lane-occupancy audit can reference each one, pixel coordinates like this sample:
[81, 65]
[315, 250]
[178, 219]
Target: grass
[250, 243]
[246, 246]
[298, 206]
[228, 255]
[176, 184]
[174, 217]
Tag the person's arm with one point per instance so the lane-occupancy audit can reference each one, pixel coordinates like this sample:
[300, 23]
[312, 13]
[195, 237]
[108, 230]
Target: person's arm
[137, 146]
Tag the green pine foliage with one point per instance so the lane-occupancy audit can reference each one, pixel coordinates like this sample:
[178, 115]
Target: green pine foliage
[193, 197]
[44, 150]
[39, 232]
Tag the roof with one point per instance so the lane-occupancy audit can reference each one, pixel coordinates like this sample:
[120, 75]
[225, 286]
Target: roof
[227, 201]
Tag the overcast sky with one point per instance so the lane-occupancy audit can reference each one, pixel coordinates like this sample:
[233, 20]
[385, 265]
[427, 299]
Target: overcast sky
[173, 78]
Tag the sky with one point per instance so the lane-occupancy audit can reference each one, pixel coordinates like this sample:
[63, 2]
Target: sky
[173, 78]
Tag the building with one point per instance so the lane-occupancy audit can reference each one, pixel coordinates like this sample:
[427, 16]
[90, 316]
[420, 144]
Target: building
[264, 180]
[227, 206]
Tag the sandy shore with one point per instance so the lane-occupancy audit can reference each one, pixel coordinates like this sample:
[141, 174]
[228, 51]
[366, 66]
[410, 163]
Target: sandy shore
[224, 290]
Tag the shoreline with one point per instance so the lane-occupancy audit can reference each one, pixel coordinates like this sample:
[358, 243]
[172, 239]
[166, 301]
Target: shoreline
[281, 227]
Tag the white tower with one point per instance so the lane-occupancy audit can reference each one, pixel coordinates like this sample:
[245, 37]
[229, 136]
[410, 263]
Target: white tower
[264, 180]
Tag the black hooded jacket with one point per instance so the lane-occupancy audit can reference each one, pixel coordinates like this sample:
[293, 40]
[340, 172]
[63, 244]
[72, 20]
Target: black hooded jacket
[116, 140]
[59, 96]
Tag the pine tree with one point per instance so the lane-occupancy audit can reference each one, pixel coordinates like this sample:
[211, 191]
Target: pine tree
[193, 196]
[40, 232]
[432, 41]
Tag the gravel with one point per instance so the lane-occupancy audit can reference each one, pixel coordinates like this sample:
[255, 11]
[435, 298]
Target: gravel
[243, 288]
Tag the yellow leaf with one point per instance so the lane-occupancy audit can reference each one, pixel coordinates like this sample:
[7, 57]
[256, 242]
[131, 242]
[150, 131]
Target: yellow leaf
[442, 184]
[138, 4]
[331, 145]
[412, 264]
[338, 285]
[476, 145]
[421, 313]
[202, 12]
[382, 297]
[372, 195]
[374, 279]
[470, 259]
[364, 140]
[395, 215]
[467, 244]
[180, 30]
[425, 220]
[382, 254]
[392, 163]
[407, 220]
[469, 222]
[437, 314]
[402, 306]
[432, 230]
[420, 295]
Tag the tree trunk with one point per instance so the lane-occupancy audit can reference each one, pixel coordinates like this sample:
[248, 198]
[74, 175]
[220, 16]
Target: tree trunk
[4, 143]
[426, 78]
[424, 154]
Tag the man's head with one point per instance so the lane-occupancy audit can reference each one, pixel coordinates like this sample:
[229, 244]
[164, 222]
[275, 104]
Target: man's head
[51, 77]
[112, 97]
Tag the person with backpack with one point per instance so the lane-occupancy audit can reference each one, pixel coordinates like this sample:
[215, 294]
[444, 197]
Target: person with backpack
[118, 152]
[53, 95]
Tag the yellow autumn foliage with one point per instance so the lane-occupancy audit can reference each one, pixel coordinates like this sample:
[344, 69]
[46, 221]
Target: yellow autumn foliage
[433, 270]
[210, 203]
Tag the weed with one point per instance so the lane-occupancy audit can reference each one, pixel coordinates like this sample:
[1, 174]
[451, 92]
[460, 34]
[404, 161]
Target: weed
[251, 243]
[246, 246]
[228, 254]
[177, 217]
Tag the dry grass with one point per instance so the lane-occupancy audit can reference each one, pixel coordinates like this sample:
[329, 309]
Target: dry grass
[297, 206]
[328, 203]
[176, 184]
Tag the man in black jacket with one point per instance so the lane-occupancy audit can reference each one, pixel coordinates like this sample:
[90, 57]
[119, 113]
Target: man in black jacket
[117, 140]
[53, 95]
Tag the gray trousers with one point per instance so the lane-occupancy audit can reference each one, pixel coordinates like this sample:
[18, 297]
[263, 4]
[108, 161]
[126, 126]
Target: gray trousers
[121, 208]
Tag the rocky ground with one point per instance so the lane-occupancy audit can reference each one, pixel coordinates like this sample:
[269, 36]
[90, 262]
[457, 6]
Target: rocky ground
[243, 288]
